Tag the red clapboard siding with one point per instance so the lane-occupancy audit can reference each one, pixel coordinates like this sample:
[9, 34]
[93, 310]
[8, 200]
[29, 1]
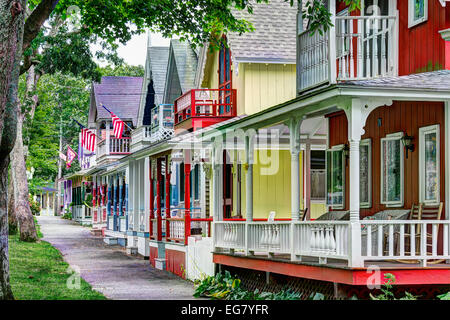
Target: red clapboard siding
[176, 262]
[401, 116]
[421, 47]
[153, 255]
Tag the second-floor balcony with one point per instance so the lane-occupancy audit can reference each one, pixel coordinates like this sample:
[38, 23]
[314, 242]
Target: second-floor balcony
[199, 108]
[112, 146]
[355, 48]
[161, 127]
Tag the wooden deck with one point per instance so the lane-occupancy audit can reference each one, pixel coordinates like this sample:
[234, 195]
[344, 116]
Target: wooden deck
[338, 271]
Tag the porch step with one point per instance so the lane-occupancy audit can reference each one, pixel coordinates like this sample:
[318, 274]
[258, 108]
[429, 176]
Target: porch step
[96, 232]
[132, 250]
[160, 264]
[110, 240]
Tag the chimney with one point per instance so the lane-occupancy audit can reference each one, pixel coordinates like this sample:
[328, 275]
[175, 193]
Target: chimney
[445, 34]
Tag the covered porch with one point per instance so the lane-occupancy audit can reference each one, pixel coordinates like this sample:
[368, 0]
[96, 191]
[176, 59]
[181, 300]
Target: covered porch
[374, 177]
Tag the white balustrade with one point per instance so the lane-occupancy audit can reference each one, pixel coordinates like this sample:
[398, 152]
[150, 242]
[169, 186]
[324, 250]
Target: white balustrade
[176, 229]
[154, 228]
[229, 235]
[269, 237]
[365, 47]
[421, 240]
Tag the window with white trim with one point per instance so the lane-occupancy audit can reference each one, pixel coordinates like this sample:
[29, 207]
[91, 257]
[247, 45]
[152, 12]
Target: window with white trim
[335, 166]
[392, 176]
[429, 164]
[417, 12]
[365, 173]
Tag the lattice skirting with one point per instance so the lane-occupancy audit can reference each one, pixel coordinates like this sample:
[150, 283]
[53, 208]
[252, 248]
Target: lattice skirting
[252, 279]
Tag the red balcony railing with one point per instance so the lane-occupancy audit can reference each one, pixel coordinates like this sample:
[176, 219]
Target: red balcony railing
[205, 103]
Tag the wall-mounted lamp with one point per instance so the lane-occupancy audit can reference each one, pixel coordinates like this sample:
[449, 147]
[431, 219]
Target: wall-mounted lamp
[407, 143]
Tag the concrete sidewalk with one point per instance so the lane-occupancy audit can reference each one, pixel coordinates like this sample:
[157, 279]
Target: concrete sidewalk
[107, 268]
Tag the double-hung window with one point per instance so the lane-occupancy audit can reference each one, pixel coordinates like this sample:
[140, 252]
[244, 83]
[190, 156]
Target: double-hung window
[365, 173]
[392, 176]
[417, 12]
[429, 184]
[335, 164]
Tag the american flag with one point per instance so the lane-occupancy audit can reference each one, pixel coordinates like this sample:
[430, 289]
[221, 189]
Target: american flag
[118, 124]
[88, 139]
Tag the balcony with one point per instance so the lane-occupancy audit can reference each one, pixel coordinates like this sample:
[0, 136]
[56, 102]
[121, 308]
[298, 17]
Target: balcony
[356, 48]
[113, 147]
[199, 108]
[161, 128]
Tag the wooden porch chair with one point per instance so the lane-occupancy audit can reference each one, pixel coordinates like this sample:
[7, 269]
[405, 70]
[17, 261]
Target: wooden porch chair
[303, 214]
[421, 212]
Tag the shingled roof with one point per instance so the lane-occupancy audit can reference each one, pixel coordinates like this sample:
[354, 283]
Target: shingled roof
[274, 37]
[121, 95]
[158, 57]
[186, 63]
[435, 80]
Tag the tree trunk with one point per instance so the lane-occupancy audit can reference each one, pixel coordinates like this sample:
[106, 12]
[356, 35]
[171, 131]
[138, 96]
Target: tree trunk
[5, 288]
[12, 221]
[11, 35]
[27, 228]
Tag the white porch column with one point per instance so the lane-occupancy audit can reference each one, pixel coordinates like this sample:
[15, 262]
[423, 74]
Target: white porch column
[307, 161]
[356, 122]
[249, 159]
[294, 133]
[216, 156]
[294, 137]
[146, 194]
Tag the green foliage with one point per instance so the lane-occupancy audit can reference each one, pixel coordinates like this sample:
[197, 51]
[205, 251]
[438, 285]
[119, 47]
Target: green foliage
[226, 287]
[445, 296]
[34, 205]
[386, 290]
[122, 70]
[318, 16]
[67, 214]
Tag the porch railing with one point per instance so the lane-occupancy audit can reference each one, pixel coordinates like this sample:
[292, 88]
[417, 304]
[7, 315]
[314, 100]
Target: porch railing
[176, 229]
[205, 103]
[116, 146]
[424, 241]
[356, 48]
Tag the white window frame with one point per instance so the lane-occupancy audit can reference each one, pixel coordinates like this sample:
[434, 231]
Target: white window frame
[399, 203]
[411, 21]
[368, 143]
[422, 132]
[339, 147]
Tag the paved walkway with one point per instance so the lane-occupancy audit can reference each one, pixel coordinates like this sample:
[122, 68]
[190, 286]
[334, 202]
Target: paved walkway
[107, 268]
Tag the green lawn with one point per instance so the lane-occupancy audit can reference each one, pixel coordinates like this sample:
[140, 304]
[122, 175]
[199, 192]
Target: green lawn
[38, 272]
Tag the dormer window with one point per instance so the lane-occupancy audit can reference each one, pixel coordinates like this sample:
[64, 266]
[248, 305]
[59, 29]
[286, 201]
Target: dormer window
[417, 12]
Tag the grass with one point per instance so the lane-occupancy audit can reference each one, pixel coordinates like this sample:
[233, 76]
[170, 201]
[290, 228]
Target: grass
[38, 272]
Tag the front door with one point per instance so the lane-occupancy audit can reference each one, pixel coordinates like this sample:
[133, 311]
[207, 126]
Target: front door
[227, 187]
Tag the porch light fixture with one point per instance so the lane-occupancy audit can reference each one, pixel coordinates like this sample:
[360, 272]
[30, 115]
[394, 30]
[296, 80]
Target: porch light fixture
[407, 143]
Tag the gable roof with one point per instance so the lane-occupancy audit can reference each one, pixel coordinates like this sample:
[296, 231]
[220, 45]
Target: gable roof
[158, 57]
[186, 63]
[273, 39]
[121, 95]
[181, 70]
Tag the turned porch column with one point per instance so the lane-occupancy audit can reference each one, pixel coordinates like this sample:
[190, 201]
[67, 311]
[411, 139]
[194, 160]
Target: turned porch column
[249, 160]
[158, 199]
[167, 190]
[151, 206]
[356, 121]
[187, 195]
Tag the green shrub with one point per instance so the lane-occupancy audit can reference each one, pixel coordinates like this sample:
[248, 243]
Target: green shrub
[226, 287]
[67, 214]
[386, 290]
[34, 205]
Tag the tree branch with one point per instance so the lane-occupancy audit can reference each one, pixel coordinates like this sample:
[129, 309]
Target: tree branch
[36, 20]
